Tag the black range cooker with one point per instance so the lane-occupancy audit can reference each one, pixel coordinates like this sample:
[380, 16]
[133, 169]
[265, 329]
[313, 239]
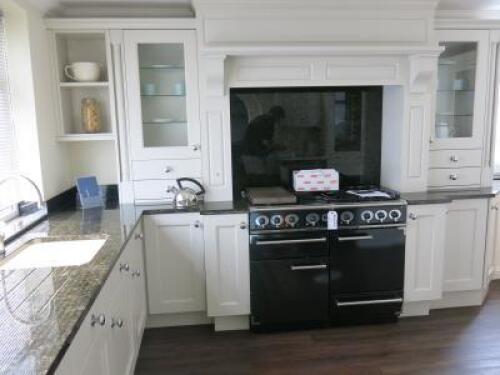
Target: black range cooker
[327, 260]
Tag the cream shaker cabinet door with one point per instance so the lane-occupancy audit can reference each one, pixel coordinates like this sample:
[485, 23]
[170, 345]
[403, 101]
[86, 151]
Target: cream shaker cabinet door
[175, 263]
[424, 252]
[465, 244]
[227, 264]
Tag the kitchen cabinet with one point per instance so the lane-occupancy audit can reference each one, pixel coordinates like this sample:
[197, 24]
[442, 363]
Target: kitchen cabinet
[162, 95]
[461, 109]
[424, 252]
[465, 244]
[492, 256]
[175, 263]
[227, 264]
[462, 87]
[108, 340]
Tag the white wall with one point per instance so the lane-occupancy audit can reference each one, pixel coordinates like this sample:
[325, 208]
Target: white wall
[40, 156]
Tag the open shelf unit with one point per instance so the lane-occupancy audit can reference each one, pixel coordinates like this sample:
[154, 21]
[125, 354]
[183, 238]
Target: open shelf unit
[83, 46]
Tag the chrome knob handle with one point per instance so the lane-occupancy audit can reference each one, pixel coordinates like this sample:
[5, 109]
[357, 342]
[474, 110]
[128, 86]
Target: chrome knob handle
[171, 189]
[453, 177]
[197, 224]
[97, 319]
[196, 147]
[454, 159]
[116, 323]
[124, 267]
[138, 236]
[136, 273]
[494, 208]
[168, 170]
[412, 216]
[243, 226]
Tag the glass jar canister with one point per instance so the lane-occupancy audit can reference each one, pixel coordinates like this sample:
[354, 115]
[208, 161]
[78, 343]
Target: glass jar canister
[91, 116]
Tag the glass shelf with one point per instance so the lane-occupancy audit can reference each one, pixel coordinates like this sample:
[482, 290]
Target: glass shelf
[163, 95]
[162, 67]
[163, 122]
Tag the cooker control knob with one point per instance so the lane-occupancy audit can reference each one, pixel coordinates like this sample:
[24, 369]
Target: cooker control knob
[312, 219]
[346, 217]
[276, 220]
[261, 221]
[395, 214]
[367, 216]
[292, 219]
[381, 215]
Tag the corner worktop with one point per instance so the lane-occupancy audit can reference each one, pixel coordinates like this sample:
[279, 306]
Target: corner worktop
[41, 309]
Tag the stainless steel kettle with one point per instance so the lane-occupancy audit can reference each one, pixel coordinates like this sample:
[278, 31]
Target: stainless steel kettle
[186, 196]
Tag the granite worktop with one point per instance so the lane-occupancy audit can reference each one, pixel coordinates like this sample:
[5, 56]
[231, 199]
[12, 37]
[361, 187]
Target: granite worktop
[41, 309]
[436, 197]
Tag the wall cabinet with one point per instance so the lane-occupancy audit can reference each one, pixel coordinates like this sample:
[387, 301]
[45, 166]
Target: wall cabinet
[465, 244]
[424, 252]
[175, 263]
[109, 338]
[227, 264]
[162, 94]
[461, 109]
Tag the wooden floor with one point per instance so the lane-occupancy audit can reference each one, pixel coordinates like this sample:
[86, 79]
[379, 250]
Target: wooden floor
[453, 341]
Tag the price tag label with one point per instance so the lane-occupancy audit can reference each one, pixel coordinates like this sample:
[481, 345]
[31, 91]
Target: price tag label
[333, 220]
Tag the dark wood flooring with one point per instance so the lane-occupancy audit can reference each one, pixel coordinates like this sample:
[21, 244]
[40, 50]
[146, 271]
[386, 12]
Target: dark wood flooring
[448, 342]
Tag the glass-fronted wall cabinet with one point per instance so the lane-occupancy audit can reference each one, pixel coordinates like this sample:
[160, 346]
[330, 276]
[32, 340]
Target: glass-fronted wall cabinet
[161, 85]
[461, 91]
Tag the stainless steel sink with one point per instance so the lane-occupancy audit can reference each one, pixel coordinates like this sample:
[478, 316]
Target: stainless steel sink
[54, 252]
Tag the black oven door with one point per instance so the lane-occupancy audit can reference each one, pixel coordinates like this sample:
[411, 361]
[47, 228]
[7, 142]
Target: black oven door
[367, 261]
[289, 279]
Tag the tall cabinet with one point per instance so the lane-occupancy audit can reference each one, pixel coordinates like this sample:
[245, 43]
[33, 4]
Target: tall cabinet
[161, 81]
[457, 140]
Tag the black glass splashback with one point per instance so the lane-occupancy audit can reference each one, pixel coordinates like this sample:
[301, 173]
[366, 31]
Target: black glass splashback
[277, 130]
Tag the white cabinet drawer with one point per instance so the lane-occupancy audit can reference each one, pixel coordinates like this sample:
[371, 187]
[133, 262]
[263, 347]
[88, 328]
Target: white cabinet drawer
[454, 177]
[165, 169]
[455, 158]
[156, 190]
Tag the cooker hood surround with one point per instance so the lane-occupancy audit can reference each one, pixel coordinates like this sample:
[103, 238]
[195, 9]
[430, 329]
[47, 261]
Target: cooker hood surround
[272, 43]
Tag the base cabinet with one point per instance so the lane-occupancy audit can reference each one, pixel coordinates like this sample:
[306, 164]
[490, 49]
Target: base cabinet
[424, 252]
[492, 256]
[465, 245]
[175, 263]
[227, 264]
[108, 340]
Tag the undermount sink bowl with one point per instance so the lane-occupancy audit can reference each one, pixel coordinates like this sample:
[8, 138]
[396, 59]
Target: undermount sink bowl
[54, 252]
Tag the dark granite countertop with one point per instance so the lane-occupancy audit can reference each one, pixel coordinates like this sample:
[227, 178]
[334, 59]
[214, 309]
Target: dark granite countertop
[41, 309]
[435, 197]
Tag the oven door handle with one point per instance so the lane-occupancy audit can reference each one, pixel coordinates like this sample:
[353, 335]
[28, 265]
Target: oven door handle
[309, 267]
[355, 238]
[284, 242]
[369, 302]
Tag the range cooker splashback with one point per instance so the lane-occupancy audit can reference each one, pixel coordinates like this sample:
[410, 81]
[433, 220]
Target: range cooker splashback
[277, 130]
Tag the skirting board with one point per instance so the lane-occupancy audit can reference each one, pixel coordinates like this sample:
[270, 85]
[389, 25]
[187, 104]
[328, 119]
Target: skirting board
[231, 323]
[496, 273]
[416, 309]
[180, 319]
[460, 299]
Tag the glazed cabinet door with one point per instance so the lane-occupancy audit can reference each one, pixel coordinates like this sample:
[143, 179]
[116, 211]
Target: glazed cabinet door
[465, 244]
[162, 94]
[424, 252]
[227, 264]
[175, 263]
[462, 87]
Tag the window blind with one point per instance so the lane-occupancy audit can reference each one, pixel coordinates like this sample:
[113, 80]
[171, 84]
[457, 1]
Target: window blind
[7, 142]
[7, 136]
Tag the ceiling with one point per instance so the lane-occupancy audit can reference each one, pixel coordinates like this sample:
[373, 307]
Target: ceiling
[136, 7]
